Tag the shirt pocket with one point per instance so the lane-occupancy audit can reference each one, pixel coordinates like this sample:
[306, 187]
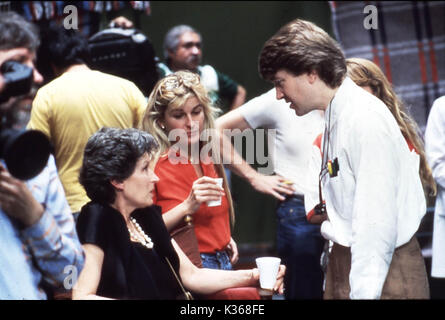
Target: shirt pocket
[337, 195]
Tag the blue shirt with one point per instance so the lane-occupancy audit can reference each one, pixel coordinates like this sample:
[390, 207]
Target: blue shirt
[43, 250]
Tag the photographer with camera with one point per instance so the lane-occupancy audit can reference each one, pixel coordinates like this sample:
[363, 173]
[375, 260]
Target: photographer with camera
[38, 240]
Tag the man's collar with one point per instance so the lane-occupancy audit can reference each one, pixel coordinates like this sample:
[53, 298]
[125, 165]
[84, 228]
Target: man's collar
[337, 103]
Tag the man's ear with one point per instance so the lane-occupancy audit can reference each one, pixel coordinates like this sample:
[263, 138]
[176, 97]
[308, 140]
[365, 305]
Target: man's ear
[119, 185]
[171, 53]
[312, 76]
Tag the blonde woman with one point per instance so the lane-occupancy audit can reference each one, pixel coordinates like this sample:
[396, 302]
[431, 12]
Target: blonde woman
[368, 75]
[180, 117]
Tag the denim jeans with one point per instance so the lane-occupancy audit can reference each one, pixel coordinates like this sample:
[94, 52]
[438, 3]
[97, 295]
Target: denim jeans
[219, 260]
[299, 245]
[229, 177]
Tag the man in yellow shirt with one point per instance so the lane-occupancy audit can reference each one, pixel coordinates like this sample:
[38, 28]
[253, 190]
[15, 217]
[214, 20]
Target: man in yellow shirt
[77, 103]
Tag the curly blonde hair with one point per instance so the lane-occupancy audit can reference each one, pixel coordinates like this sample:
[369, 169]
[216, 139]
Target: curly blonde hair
[173, 91]
[366, 73]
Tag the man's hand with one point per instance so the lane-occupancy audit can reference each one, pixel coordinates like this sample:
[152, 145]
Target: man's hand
[318, 218]
[232, 249]
[17, 201]
[274, 185]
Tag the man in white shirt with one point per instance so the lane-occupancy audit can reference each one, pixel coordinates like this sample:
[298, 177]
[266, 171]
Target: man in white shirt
[373, 192]
[435, 151]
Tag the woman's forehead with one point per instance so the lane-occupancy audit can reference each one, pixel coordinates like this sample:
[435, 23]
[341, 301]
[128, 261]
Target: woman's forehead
[191, 103]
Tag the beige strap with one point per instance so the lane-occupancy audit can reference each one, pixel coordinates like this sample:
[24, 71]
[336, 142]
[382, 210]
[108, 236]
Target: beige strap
[187, 294]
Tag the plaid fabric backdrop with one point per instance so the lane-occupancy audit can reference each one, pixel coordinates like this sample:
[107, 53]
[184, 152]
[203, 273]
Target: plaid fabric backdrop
[408, 45]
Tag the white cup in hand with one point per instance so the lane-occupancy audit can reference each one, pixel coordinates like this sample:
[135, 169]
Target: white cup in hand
[215, 203]
[268, 268]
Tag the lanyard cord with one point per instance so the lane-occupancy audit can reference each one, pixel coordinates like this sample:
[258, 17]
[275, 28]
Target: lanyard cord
[326, 142]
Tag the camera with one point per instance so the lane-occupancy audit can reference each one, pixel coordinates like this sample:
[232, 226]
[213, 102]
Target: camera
[126, 53]
[320, 208]
[18, 79]
[24, 152]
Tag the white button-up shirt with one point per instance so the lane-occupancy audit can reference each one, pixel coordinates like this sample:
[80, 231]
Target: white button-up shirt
[376, 201]
[435, 151]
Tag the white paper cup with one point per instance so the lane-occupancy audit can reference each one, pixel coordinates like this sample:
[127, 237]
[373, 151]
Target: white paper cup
[216, 203]
[268, 267]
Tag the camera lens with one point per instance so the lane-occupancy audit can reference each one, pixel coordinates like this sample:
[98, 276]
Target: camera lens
[25, 152]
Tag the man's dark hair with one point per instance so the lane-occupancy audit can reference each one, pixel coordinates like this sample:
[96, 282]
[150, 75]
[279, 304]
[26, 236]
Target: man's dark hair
[16, 32]
[61, 47]
[112, 154]
[301, 47]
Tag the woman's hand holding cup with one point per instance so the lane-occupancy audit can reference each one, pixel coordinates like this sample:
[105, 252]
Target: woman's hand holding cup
[270, 274]
[204, 189]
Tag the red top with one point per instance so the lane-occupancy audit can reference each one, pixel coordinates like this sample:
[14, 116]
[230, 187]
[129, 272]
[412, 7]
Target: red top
[212, 224]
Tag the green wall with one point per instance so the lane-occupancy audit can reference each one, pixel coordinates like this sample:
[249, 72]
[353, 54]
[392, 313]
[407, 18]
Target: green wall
[233, 34]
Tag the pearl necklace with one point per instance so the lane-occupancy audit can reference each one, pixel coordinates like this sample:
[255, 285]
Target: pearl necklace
[140, 236]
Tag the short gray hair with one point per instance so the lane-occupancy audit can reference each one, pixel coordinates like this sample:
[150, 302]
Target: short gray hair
[171, 39]
[112, 154]
[16, 32]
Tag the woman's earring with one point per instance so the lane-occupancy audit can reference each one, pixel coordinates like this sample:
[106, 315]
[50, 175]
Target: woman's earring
[160, 125]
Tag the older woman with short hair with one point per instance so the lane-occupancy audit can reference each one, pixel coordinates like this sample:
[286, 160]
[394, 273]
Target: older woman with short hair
[129, 253]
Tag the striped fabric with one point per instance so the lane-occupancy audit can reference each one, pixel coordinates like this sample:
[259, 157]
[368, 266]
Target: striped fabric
[44, 250]
[89, 11]
[36, 10]
[408, 45]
